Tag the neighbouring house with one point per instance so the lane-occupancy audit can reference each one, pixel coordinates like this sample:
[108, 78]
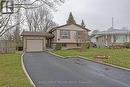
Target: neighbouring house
[35, 41]
[7, 46]
[112, 37]
[70, 35]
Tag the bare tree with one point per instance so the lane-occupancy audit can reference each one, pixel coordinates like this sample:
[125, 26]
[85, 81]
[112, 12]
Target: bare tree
[26, 4]
[11, 31]
[39, 19]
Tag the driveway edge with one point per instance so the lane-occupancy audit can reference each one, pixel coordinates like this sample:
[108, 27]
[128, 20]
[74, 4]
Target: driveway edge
[25, 71]
[85, 58]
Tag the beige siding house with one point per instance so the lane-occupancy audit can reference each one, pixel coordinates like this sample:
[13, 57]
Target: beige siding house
[70, 35]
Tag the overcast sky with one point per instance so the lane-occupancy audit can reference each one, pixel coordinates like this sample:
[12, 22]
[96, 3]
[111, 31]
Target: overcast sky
[97, 14]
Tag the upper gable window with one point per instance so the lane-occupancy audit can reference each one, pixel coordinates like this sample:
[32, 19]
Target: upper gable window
[65, 34]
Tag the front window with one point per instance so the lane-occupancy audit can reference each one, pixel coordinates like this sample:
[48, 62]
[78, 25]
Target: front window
[120, 38]
[65, 34]
[78, 44]
[64, 45]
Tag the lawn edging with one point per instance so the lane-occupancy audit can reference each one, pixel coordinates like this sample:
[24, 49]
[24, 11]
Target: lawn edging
[25, 71]
[85, 58]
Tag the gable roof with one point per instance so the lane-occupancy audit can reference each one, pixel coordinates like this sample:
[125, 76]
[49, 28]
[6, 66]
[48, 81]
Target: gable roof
[53, 29]
[114, 31]
[30, 33]
[41, 34]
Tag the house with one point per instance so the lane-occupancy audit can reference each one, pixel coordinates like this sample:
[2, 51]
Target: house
[112, 37]
[70, 35]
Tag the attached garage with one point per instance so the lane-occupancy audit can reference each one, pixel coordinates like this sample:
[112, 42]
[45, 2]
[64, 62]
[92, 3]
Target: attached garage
[34, 41]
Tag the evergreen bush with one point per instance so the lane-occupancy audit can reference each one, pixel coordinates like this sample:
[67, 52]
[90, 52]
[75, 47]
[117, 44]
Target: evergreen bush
[58, 46]
[127, 45]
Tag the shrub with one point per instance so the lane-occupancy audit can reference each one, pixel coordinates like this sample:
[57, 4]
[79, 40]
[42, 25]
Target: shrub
[93, 45]
[58, 47]
[127, 45]
[20, 48]
[87, 45]
[111, 46]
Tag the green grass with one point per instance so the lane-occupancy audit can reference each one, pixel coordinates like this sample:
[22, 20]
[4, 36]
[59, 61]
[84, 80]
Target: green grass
[119, 57]
[11, 73]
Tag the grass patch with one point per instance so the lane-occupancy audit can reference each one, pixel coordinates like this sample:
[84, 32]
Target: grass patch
[119, 57]
[11, 73]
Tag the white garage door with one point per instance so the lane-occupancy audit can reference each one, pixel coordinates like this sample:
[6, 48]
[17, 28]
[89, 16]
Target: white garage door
[34, 45]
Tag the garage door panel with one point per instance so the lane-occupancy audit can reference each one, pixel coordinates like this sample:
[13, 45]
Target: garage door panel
[34, 45]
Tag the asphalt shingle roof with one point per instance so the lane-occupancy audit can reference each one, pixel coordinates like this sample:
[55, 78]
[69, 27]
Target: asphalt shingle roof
[114, 31]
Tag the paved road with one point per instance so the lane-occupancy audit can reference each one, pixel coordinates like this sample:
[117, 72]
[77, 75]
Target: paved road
[49, 71]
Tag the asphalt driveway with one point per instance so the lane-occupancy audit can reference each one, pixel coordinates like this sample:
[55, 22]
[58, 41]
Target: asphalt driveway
[47, 70]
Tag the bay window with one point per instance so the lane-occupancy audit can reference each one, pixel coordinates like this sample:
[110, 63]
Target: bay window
[120, 38]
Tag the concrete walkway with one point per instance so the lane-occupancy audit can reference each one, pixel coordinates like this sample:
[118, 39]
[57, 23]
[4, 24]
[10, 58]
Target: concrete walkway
[47, 70]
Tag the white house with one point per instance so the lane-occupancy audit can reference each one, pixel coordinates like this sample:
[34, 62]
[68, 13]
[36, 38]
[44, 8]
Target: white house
[111, 37]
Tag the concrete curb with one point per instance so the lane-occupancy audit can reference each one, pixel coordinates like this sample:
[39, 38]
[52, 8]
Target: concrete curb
[85, 58]
[56, 55]
[26, 73]
[127, 69]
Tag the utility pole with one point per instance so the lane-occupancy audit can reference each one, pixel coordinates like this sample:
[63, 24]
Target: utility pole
[112, 22]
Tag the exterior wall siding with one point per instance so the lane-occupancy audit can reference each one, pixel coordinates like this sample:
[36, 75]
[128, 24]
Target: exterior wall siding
[100, 41]
[70, 46]
[128, 38]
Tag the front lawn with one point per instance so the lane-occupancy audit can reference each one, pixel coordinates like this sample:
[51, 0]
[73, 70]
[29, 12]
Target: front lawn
[119, 57]
[11, 73]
